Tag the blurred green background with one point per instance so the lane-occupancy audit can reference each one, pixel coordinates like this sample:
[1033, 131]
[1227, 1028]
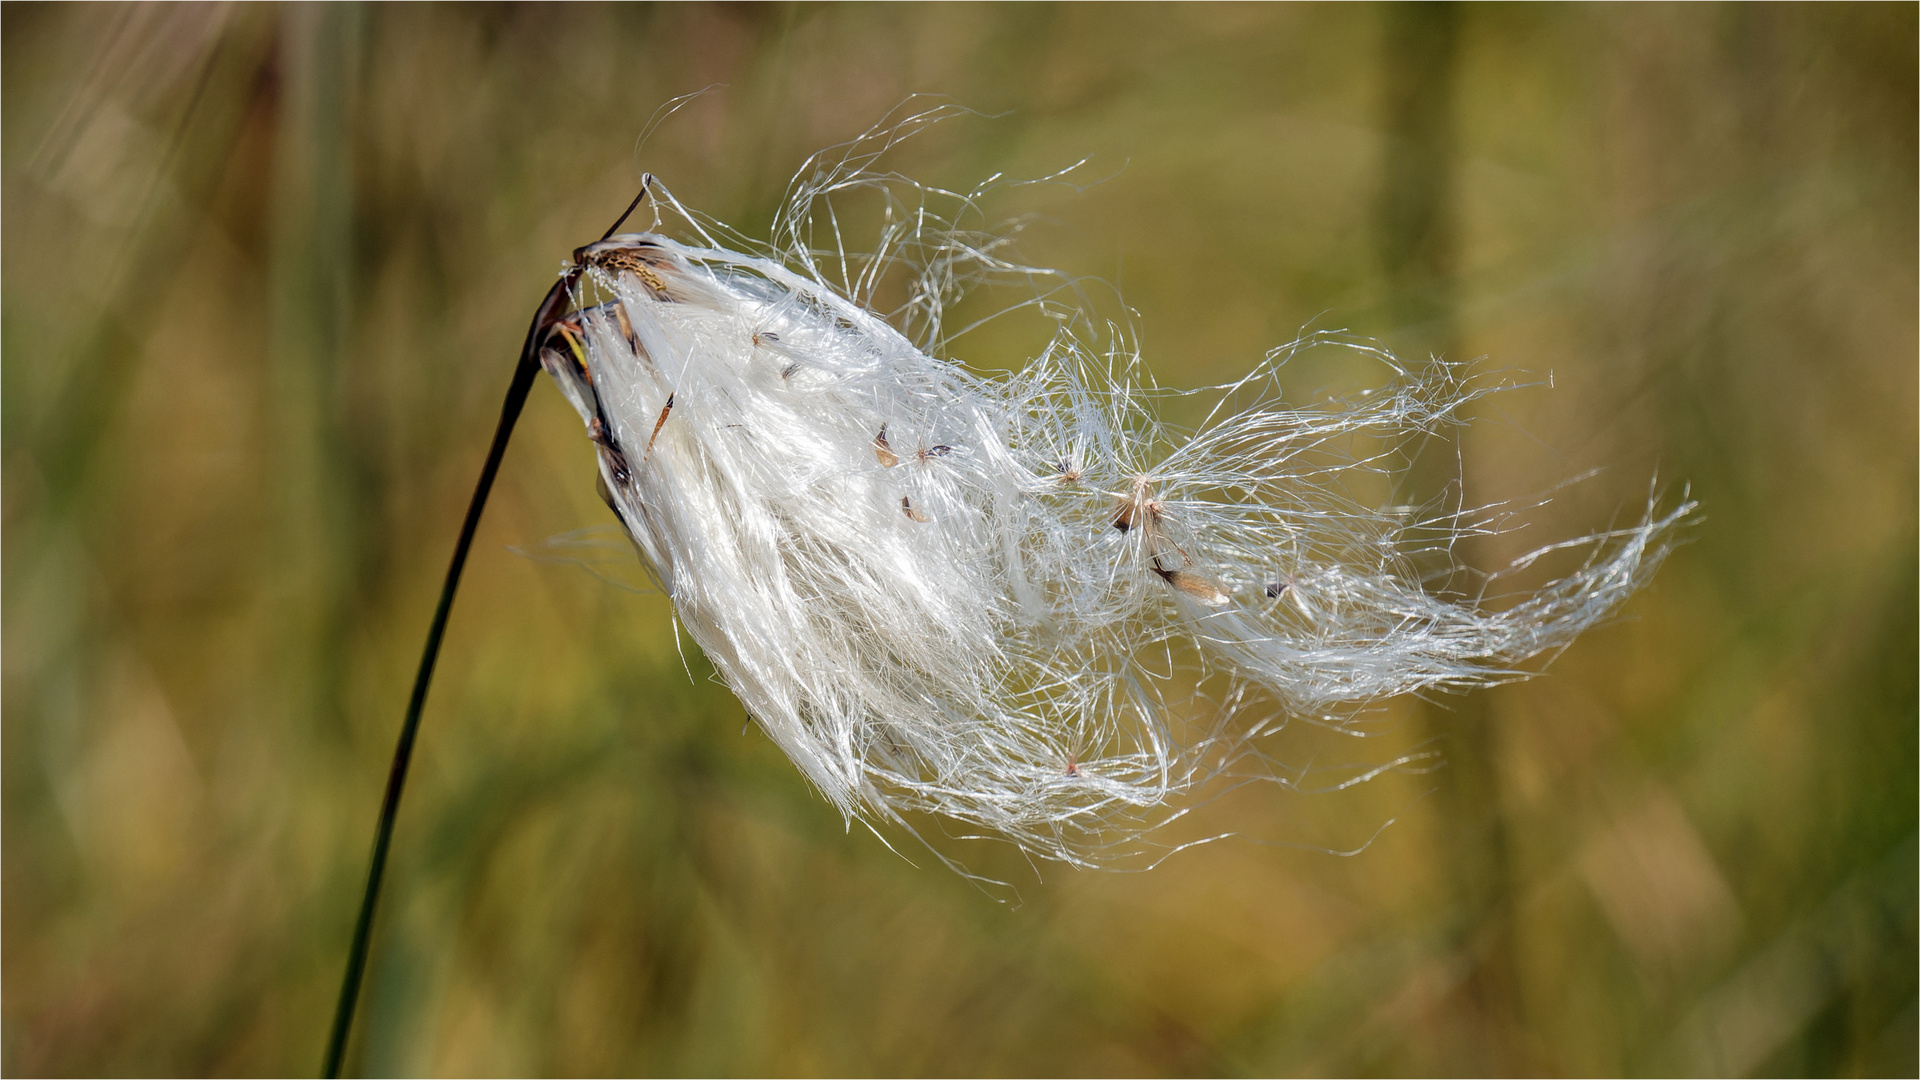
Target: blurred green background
[265, 273]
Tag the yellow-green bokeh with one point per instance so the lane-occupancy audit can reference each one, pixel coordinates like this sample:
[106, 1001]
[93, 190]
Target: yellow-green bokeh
[265, 273]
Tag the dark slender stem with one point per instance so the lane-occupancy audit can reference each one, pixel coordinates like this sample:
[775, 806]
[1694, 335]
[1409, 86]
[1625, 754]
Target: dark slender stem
[646, 185]
[523, 377]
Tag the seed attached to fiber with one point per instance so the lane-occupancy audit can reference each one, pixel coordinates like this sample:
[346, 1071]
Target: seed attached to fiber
[1193, 585]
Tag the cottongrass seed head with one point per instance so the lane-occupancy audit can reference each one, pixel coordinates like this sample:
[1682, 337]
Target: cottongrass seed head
[1022, 602]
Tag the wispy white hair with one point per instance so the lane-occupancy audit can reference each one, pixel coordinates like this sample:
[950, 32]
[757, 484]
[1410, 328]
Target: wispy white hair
[998, 598]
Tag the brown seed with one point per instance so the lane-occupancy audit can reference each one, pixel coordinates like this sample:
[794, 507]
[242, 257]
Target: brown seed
[1138, 509]
[660, 423]
[626, 325]
[884, 452]
[1193, 585]
[1290, 589]
[906, 504]
[610, 453]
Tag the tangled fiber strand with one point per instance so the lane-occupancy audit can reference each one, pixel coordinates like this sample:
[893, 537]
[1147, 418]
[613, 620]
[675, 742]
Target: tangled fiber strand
[995, 598]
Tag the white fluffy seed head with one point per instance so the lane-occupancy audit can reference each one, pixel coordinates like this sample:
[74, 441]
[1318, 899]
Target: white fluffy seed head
[993, 598]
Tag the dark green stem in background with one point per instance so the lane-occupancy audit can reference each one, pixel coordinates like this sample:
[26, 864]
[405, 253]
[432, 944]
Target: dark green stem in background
[1415, 229]
[523, 377]
[1418, 236]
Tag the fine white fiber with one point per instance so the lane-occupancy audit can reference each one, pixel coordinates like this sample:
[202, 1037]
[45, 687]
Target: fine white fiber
[1023, 602]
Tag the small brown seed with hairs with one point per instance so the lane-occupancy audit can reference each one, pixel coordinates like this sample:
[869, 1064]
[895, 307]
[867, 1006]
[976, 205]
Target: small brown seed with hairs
[883, 451]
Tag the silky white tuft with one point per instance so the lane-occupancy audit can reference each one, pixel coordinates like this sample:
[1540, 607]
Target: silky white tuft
[1023, 602]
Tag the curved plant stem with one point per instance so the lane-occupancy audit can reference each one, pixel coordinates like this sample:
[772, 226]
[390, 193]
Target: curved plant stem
[548, 313]
[523, 376]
